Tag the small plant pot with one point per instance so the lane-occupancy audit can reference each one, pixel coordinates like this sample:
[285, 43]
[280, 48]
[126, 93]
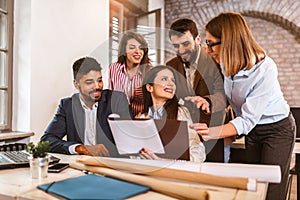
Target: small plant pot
[39, 167]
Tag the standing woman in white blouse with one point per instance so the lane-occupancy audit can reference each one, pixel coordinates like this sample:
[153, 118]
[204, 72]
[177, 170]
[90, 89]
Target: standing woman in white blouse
[252, 89]
[126, 75]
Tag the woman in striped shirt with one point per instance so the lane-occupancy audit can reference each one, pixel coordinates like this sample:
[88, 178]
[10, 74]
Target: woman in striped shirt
[126, 75]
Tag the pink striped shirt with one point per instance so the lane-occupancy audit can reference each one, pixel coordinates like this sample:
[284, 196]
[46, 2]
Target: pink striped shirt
[119, 81]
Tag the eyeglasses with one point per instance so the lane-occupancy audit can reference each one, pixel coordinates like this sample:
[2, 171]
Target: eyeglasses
[210, 46]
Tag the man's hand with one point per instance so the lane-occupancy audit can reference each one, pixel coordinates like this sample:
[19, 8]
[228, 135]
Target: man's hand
[200, 102]
[92, 150]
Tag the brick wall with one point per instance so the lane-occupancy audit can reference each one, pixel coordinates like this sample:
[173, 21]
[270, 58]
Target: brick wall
[275, 25]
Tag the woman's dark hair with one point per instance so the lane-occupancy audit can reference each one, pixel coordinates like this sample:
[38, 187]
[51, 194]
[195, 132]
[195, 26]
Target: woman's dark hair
[171, 106]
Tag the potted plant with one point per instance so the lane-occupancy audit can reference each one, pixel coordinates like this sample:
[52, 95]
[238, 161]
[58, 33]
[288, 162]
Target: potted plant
[38, 158]
[39, 150]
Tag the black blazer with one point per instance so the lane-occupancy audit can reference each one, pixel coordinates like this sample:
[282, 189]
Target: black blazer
[69, 121]
[208, 83]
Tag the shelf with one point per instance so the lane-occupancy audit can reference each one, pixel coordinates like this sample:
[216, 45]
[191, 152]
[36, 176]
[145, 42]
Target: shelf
[14, 135]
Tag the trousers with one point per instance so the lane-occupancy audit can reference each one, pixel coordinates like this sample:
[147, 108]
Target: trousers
[272, 144]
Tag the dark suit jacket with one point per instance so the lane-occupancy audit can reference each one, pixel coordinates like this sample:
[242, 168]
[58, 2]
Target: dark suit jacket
[208, 83]
[69, 121]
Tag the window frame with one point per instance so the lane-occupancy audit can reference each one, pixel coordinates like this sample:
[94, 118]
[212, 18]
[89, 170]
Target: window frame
[9, 52]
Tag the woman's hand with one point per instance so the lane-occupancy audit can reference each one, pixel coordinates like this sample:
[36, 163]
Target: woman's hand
[215, 132]
[145, 153]
[137, 116]
[200, 102]
[202, 129]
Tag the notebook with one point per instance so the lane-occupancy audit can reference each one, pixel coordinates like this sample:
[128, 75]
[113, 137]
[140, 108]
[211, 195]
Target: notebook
[93, 186]
[16, 159]
[130, 135]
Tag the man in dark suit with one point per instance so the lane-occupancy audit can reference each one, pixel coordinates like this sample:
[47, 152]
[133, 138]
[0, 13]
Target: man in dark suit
[200, 76]
[82, 118]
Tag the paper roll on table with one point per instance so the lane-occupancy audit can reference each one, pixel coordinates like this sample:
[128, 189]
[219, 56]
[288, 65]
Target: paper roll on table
[121, 164]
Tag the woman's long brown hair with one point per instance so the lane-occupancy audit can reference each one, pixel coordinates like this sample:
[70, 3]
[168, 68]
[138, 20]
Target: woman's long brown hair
[239, 50]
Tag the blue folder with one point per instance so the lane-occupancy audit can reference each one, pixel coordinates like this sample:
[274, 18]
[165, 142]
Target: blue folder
[93, 186]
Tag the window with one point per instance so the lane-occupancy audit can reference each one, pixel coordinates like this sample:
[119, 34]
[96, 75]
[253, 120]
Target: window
[116, 27]
[6, 37]
[149, 26]
[125, 15]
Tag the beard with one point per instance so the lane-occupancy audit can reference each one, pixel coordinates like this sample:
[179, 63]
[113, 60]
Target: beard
[90, 96]
[192, 53]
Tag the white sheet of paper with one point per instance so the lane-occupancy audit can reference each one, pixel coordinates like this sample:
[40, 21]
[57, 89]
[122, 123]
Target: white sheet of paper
[263, 173]
[133, 135]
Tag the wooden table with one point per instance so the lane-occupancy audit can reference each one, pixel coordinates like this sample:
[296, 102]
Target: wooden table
[17, 184]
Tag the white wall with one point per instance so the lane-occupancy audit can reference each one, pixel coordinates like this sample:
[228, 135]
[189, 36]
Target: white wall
[21, 70]
[49, 36]
[160, 4]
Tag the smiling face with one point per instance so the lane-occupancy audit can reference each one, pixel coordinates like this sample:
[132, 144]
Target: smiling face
[215, 54]
[163, 87]
[90, 87]
[185, 46]
[134, 52]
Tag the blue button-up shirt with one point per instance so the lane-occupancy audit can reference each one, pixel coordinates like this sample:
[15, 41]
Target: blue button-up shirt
[156, 114]
[255, 96]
